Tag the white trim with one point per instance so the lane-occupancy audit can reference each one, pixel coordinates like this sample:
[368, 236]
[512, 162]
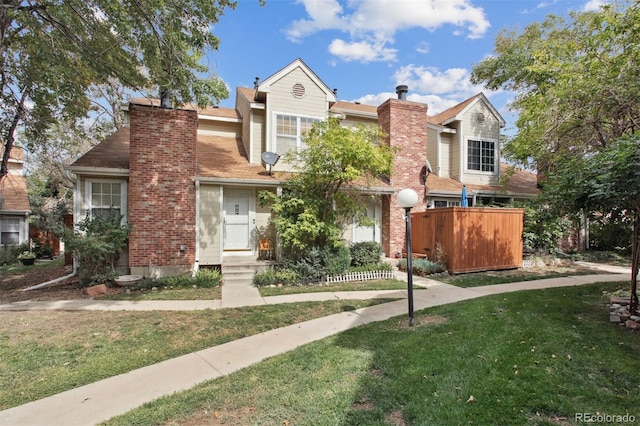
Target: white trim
[274, 129]
[101, 171]
[124, 211]
[496, 156]
[196, 265]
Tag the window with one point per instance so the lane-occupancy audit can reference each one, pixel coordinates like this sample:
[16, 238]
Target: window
[289, 131]
[10, 230]
[439, 204]
[481, 155]
[105, 197]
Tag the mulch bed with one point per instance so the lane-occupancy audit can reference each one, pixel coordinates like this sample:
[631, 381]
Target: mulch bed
[12, 285]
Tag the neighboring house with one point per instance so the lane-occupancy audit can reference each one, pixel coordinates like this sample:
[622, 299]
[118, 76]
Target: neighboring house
[187, 179]
[14, 202]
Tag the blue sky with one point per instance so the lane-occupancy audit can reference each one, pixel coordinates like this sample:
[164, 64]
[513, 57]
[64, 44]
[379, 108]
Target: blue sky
[365, 48]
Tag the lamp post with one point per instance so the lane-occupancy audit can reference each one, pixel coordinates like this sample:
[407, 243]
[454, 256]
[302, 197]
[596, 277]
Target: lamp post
[407, 198]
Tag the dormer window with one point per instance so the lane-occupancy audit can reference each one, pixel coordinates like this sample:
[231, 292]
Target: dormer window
[289, 132]
[481, 155]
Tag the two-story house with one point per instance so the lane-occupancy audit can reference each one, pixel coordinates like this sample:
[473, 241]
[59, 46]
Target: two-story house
[187, 179]
[14, 202]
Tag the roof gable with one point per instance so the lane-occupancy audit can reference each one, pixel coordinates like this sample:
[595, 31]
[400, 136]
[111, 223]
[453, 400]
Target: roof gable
[265, 86]
[457, 112]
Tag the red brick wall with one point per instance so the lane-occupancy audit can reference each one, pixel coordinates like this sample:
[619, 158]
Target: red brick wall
[162, 196]
[406, 126]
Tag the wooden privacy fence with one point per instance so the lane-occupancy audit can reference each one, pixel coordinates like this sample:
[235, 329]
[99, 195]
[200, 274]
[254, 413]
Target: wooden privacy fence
[470, 239]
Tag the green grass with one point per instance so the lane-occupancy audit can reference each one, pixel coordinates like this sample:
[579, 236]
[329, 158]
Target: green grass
[43, 353]
[349, 286]
[19, 268]
[478, 279]
[535, 357]
[167, 293]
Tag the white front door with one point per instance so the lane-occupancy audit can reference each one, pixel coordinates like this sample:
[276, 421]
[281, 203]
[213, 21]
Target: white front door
[370, 232]
[236, 219]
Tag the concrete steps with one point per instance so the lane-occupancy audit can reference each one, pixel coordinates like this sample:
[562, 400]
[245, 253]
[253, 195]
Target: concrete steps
[237, 288]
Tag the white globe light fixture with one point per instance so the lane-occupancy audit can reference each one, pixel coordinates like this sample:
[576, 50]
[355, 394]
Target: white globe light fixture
[408, 198]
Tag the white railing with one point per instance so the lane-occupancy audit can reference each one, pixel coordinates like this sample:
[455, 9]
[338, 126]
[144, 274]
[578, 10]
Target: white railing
[359, 276]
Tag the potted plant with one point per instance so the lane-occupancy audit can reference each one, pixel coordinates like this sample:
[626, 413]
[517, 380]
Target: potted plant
[27, 257]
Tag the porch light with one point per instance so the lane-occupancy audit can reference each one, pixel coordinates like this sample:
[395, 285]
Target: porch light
[408, 198]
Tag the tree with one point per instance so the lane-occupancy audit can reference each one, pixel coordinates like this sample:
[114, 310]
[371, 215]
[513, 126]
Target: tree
[53, 51]
[577, 83]
[325, 193]
[607, 183]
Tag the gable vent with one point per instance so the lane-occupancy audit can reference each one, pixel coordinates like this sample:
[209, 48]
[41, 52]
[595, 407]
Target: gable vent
[298, 90]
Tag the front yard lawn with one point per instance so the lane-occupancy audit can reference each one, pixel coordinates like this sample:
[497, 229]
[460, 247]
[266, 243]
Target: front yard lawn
[525, 358]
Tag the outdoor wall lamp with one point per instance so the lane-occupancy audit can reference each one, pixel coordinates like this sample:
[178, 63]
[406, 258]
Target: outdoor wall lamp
[408, 198]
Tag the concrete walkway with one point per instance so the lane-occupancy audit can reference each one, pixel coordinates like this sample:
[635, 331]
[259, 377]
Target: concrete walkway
[100, 401]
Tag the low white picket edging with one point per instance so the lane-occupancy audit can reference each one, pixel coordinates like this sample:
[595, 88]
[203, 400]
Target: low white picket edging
[359, 276]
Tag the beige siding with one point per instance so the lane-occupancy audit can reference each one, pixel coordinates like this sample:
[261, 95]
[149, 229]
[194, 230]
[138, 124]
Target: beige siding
[258, 140]
[219, 128]
[210, 226]
[445, 154]
[488, 130]
[262, 216]
[432, 150]
[281, 100]
[244, 108]
[352, 121]
[312, 104]
[455, 168]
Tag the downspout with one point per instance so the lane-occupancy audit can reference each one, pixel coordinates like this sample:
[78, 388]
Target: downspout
[57, 280]
[196, 264]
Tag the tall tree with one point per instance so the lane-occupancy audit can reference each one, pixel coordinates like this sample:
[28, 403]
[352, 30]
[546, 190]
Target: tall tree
[325, 193]
[577, 82]
[53, 51]
[607, 183]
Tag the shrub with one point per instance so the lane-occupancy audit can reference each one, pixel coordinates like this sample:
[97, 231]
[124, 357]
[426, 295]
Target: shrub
[336, 260]
[207, 278]
[314, 264]
[366, 252]
[423, 267]
[282, 276]
[97, 243]
[382, 266]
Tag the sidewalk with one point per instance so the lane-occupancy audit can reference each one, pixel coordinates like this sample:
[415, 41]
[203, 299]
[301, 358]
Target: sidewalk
[100, 401]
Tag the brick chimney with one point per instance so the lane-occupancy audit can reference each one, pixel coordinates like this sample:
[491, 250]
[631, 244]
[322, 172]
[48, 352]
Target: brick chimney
[406, 126]
[162, 194]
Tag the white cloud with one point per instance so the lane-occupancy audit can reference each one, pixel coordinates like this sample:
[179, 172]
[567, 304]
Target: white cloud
[594, 5]
[362, 51]
[379, 20]
[438, 89]
[431, 80]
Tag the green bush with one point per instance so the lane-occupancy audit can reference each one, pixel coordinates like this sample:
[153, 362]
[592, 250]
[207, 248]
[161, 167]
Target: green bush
[365, 252]
[422, 267]
[97, 243]
[207, 278]
[315, 264]
[382, 266]
[282, 276]
[336, 260]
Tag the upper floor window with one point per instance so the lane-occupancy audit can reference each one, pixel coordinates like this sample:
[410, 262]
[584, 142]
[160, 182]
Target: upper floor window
[105, 197]
[10, 230]
[289, 131]
[481, 155]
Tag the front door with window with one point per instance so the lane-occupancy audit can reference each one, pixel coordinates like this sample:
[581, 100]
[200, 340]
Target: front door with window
[236, 219]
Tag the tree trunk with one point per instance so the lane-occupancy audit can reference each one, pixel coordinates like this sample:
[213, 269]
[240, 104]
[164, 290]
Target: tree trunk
[635, 257]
